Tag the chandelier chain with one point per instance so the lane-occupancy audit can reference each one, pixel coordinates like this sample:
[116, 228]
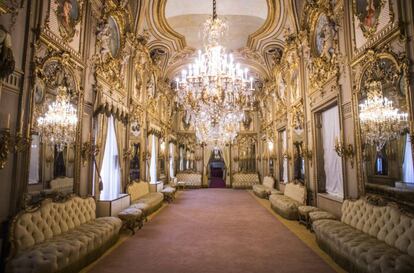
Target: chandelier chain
[214, 10]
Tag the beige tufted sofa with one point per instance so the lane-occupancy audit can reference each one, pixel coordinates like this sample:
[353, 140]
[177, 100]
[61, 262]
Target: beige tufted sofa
[265, 189]
[245, 180]
[60, 237]
[192, 180]
[287, 204]
[369, 238]
[62, 184]
[143, 199]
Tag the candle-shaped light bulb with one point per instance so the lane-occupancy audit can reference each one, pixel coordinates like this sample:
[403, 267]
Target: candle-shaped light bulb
[251, 83]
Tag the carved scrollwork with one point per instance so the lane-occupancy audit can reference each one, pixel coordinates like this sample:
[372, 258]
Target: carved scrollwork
[114, 46]
[320, 43]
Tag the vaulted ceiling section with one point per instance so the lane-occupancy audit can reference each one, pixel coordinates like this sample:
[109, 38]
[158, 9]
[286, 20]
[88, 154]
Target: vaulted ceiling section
[256, 31]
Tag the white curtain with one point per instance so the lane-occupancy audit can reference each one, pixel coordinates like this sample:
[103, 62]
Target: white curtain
[285, 160]
[226, 157]
[408, 170]
[332, 162]
[153, 161]
[34, 160]
[181, 158]
[148, 161]
[172, 154]
[111, 172]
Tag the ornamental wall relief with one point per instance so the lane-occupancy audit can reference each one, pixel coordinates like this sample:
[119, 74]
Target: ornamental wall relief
[320, 30]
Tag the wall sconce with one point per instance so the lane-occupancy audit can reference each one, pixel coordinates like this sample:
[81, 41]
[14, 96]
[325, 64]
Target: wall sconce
[306, 153]
[146, 156]
[88, 150]
[345, 151]
[10, 143]
[127, 154]
[270, 146]
[286, 155]
[162, 146]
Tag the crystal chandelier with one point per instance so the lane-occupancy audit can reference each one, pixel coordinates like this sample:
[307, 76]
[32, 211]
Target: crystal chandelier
[380, 121]
[215, 91]
[58, 125]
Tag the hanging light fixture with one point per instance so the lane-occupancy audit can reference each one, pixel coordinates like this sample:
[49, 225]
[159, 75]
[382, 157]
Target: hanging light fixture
[58, 125]
[380, 121]
[214, 90]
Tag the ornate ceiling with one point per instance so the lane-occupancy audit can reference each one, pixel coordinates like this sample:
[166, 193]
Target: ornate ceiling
[256, 29]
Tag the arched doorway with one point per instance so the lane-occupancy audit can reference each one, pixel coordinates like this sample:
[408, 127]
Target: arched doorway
[217, 169]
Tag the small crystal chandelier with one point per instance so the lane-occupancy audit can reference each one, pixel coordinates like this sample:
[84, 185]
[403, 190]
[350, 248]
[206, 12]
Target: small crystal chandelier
[215, 91]
[380, 121]
[58, 125]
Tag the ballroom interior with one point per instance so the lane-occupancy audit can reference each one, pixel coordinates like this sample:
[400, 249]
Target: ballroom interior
[206, 136]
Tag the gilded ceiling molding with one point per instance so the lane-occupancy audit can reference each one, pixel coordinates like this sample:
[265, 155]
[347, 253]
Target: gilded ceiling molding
[274, 20]
[162, 30]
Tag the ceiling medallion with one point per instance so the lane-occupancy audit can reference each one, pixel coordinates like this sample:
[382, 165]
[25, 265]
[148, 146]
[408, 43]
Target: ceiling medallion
[214, 90]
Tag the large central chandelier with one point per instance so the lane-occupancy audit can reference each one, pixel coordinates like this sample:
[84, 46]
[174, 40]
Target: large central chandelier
[214, 90]
[380, 121]
[58, 125]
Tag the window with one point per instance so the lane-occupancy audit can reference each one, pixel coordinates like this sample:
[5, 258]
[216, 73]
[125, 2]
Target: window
[111, 172]
[153, 163]
[284, 163]
[172, 167]
[332, 162]
[34, 171]
[381, 166]
[407, 168]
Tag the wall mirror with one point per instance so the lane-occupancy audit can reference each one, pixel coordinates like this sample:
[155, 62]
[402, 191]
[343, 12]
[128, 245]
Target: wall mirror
[298, 161]
[247, 156]
[134, 163]
[386, 151]
[52, 167]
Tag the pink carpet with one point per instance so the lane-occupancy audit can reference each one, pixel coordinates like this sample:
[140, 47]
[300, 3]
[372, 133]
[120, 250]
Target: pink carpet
[213, 230]
[217, 182]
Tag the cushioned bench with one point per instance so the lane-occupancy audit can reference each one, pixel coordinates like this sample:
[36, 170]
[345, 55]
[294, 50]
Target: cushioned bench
[142, 199]
[265, 189]
[245, 180]
[191, 179]
[60, 237]
[287, 204]
[369, 238]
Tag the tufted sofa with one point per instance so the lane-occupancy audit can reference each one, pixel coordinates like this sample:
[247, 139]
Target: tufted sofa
[191, 179]
[142, 199]
[266, 189]
[369, 238]
[287, 204]
[62, 184]
[245, 180]
[60, 237]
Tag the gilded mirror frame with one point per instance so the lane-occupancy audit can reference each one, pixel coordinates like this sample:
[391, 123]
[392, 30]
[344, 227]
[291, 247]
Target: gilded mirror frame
[58, 62]
[370, 58]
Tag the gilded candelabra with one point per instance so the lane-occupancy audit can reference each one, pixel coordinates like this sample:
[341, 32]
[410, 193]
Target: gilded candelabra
[345, 151]
[10, 144]
[89, 150]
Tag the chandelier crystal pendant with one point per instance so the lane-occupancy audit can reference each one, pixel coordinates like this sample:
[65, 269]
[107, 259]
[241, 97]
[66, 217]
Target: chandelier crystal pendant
[380, 121]
[215, 91]
[58, 125]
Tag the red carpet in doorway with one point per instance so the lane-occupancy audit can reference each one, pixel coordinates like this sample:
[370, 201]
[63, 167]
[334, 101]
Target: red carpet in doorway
[212, 231]
[217, 182]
